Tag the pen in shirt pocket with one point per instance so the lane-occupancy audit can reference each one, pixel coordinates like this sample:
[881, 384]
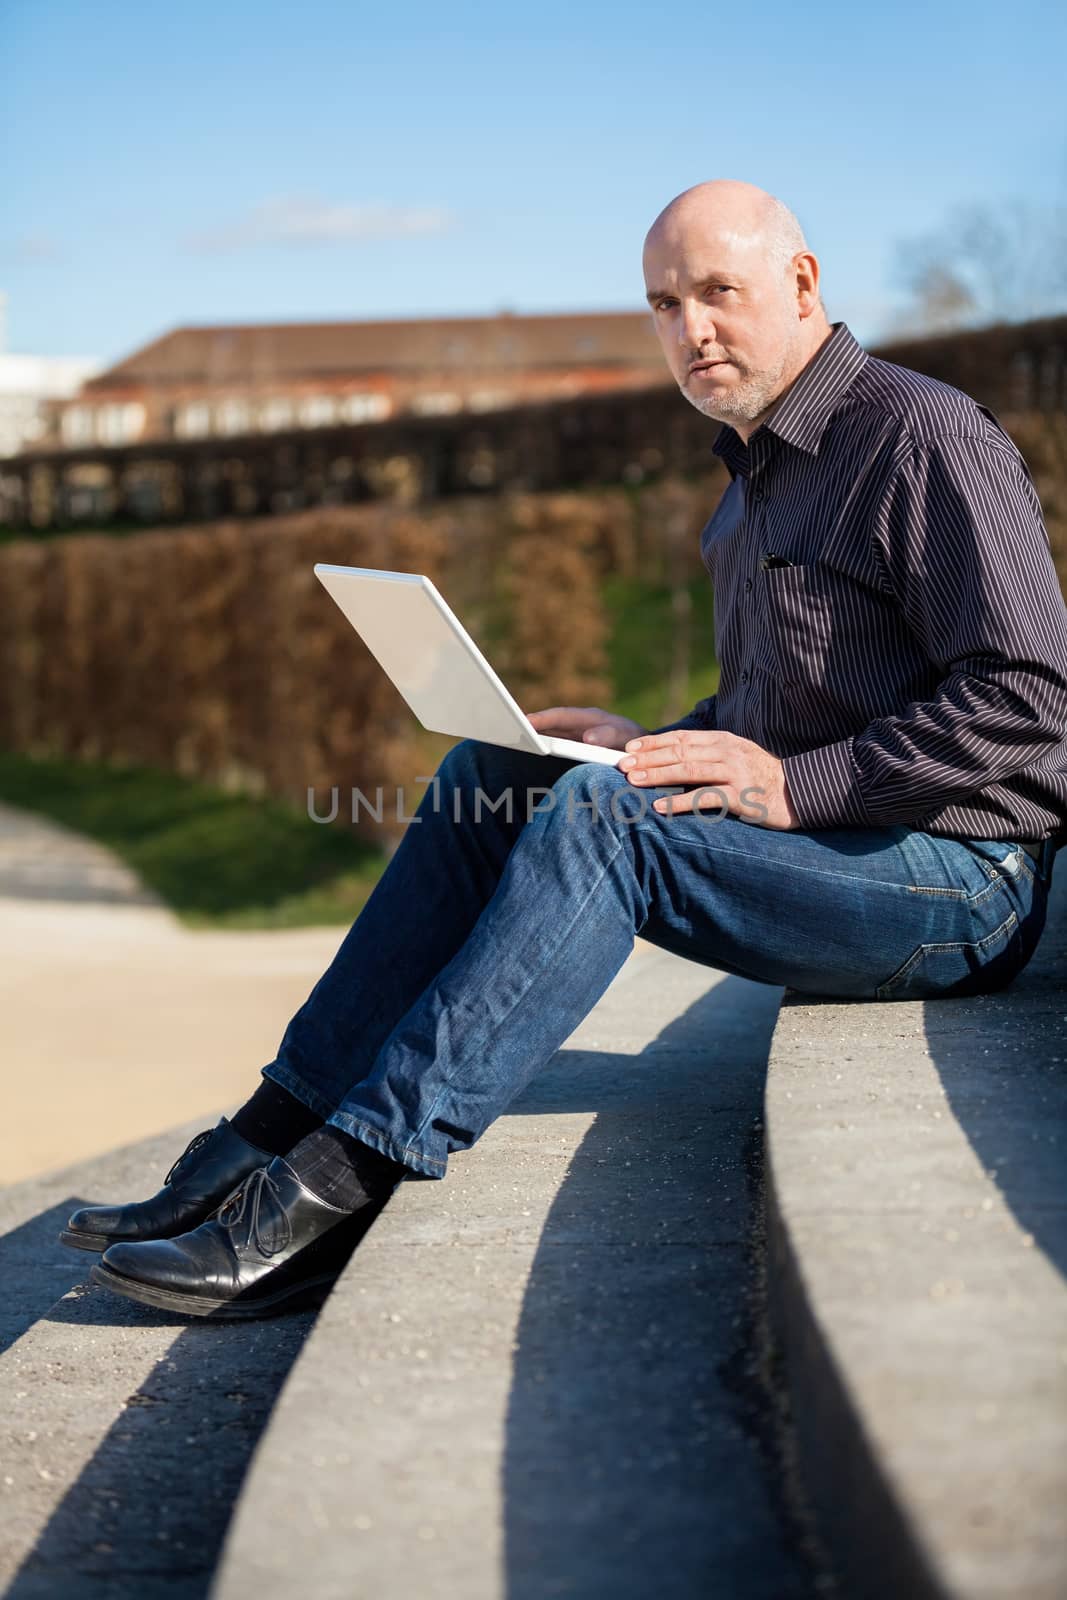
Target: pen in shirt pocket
[774, 561]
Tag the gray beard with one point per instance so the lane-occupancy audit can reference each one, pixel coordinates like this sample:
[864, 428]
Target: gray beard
[749, 399]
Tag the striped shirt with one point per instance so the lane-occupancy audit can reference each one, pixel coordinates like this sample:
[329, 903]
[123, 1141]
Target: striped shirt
[904, 652]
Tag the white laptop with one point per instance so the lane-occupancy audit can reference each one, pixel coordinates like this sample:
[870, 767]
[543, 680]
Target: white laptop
[436, 665]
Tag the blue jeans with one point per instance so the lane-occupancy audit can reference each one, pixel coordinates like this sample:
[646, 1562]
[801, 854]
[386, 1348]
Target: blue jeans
[493, 932]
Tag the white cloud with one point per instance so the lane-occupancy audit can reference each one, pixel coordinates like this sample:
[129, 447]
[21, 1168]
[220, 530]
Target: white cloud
[31, 249]
[304, 219]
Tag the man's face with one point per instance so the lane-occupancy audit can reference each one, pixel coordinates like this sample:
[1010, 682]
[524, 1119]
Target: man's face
[725, 315]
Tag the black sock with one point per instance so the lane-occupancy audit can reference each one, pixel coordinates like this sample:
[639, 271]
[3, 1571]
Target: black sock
[343, 1171]
[274, 1120]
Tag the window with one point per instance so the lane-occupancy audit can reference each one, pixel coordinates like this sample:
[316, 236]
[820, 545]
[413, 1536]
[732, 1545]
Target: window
[491, 400]
[435, 405]
[234, 416]
[318, 410]
[78, 425]
[276, 413]
[193, 420]
[364, 407]
[118, 424]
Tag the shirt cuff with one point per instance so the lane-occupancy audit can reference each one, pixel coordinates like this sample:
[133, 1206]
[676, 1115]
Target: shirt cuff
[823, 789]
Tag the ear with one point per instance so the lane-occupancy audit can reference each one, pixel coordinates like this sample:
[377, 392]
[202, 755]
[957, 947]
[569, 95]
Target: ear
[806, 283]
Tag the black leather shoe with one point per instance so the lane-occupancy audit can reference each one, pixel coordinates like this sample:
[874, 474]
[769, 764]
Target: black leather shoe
[273, 1246]
[196, 1185]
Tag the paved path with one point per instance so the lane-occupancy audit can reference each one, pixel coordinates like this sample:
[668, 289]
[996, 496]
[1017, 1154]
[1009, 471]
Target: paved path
[39, 860]
[115, 1020]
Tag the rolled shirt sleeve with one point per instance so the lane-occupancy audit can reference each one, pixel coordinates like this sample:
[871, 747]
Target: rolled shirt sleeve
[961, 544]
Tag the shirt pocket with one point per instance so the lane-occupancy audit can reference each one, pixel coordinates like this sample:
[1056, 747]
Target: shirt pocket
[799, 622]
[836, 647]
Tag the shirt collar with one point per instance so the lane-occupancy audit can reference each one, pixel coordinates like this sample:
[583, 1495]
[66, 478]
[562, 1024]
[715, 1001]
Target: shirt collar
[803, 416]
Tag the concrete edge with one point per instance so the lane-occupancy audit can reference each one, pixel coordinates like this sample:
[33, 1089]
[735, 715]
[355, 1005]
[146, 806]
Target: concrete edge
[883, 1533]
[875, 1547]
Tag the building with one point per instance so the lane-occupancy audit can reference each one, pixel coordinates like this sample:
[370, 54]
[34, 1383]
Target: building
[616, 419]
[212, 382]
[30, 388]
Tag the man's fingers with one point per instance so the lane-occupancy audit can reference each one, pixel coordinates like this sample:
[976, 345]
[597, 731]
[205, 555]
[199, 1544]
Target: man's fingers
[564, 719]
[691, 756]
[686, 773]
[602, 733]
[679, 739]
[721, 798]
[557, 719]
[710, 797]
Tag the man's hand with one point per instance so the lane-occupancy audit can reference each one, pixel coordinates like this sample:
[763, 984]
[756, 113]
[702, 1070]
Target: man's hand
[587, 723]
[744, 778]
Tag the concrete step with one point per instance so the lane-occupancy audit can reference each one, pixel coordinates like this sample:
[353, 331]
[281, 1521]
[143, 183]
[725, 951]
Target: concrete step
[552, 1372]
[542, 1375]
[915, 1162]
[124, 1435]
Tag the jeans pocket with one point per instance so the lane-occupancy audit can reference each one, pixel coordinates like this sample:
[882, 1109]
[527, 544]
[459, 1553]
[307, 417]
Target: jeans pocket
[999, 858]
[961, 968]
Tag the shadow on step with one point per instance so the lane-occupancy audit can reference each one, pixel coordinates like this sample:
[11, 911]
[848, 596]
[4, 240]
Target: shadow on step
[636, 1457]
[641, 1448]
[42, 1268]
[1003, 1064]
[147, 1516]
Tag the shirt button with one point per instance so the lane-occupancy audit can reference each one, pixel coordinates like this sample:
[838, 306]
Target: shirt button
[744, 677]
[748, 584]
[757, 496]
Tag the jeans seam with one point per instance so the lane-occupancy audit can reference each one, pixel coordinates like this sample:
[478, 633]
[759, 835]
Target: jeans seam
[905, 969]
[994, 884]
[951, 894]
[819, 872]
[391, 1144]
[972, 944]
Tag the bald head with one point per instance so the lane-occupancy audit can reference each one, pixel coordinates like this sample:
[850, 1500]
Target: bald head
[750, 215]
[734, 293]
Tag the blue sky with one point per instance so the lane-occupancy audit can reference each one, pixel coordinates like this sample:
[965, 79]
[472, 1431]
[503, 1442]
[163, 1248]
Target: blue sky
[240, 162]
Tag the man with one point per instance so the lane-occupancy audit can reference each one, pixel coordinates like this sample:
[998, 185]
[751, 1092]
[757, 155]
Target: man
[868, 808]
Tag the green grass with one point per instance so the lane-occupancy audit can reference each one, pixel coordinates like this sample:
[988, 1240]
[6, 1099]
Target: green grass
[218, 860]
[639, 648]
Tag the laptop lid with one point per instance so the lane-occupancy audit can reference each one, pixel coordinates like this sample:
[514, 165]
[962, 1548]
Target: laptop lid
[431, 658]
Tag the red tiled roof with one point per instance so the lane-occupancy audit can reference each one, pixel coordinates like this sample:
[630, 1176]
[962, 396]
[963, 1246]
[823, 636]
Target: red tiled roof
[268, 352]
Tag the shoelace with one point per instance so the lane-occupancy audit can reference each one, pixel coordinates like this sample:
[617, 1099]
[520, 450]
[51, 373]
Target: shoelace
[191, 1148]
[238, 1204]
